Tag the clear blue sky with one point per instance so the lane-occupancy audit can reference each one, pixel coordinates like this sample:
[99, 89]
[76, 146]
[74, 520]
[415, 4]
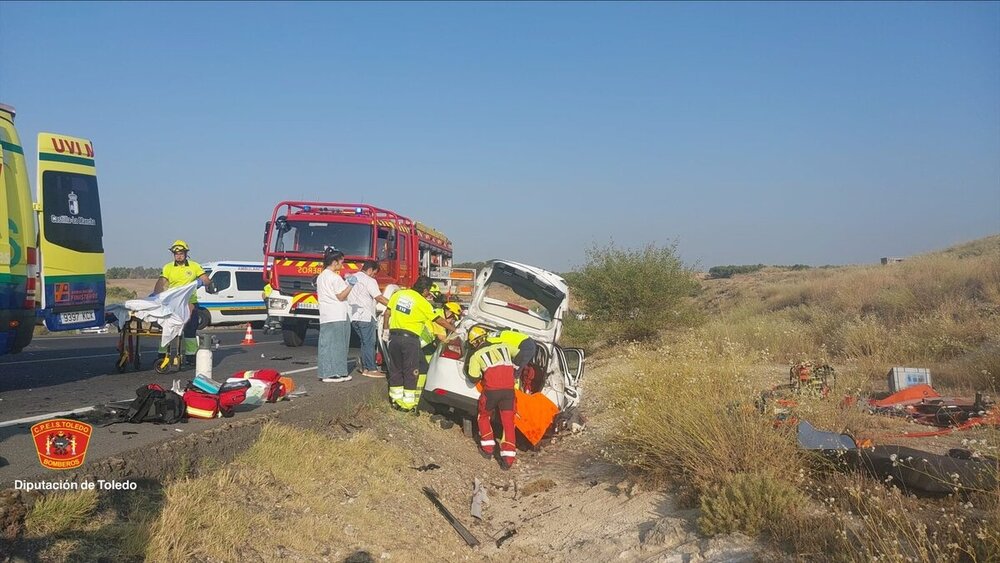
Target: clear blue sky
[776, 133]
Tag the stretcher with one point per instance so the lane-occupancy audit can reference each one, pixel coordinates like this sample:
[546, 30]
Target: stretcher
[129, 349]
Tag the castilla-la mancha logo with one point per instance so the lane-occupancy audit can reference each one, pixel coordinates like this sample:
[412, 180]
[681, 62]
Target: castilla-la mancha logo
[61, 443]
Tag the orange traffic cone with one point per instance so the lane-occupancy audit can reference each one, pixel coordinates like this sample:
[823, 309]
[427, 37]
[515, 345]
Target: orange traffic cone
[248, 339]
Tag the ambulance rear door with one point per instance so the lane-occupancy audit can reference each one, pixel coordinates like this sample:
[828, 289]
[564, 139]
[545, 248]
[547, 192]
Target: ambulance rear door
[71, 234]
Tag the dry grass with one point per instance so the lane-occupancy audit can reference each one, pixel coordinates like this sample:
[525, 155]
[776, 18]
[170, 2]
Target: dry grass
[688, 410]
[940, 311]
[683, 410]
[296, 489]
[59, 513]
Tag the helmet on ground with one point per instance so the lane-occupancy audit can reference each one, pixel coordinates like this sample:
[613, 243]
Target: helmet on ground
[453, 308]
[477, 336]
[179, 245]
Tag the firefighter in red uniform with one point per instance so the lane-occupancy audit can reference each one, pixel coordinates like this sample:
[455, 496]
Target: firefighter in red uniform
[491, 362]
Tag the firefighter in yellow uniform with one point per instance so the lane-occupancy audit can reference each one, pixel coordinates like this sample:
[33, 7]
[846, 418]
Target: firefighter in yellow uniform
[491, 365]
[409, 314]
[175, 274]
[432, 335]
[522, 348]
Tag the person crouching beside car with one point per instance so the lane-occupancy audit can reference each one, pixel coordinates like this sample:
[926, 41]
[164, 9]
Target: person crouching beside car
[491, 362]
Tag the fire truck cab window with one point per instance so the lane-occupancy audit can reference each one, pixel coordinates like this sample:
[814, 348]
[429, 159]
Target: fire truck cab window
[353, 239]
[382, 244]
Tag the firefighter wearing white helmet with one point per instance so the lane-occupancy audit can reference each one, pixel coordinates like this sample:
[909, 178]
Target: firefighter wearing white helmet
[182, 271]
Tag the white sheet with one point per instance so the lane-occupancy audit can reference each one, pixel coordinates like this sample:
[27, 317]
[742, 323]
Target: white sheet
[168, 309]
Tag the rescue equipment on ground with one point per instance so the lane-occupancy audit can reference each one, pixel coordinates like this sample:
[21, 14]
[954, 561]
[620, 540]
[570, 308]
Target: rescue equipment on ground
[923, 405]
[900, 378]
[154, 404]
[267, 385]
[202, 404]
[807, 376]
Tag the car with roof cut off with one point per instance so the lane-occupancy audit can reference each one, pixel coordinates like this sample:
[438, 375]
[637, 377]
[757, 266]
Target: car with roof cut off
[514, 296]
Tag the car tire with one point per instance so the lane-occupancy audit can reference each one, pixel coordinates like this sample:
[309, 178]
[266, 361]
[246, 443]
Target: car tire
[204, 319]
[293, 333]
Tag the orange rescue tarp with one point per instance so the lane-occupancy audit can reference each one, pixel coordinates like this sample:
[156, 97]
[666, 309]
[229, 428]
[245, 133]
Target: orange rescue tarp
[533, 415]
[910, 395]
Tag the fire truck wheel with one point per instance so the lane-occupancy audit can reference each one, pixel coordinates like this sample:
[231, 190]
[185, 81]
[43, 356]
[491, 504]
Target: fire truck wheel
[293, 333]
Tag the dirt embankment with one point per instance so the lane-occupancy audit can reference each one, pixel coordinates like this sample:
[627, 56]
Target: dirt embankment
[347, 485]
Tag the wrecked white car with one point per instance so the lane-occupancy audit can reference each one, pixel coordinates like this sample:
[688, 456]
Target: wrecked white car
[529, 300]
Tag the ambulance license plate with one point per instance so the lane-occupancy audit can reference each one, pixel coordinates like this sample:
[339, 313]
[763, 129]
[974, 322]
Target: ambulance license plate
[77, 317]
[310, 306]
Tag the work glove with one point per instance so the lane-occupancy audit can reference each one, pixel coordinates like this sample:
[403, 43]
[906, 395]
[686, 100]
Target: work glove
[198, 282]
[352, 280]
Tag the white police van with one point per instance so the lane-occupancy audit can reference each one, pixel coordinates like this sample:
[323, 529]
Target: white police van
[239, 296]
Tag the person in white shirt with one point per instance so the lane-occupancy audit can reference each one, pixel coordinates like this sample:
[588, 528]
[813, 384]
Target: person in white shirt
[334, 321]
[362, 302]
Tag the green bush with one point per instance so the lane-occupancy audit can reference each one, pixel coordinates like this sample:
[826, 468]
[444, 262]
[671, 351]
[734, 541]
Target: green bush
[633, 294]
[748, 503]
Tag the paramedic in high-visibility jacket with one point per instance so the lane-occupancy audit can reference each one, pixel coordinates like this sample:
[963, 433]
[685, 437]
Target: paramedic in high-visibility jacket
[492, 363]
[175, 274]
[409, 312]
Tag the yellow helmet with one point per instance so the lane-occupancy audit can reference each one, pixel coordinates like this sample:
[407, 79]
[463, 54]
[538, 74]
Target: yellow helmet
[477, 336]
[179, 245]
[454, 308]
[435, 289]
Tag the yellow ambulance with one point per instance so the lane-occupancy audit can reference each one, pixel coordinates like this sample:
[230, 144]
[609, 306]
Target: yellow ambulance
[52, 250]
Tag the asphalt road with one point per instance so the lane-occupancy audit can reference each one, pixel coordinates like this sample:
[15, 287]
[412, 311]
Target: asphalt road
[75, 372]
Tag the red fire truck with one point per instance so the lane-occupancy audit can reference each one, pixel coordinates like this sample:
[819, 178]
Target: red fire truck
[299, 232]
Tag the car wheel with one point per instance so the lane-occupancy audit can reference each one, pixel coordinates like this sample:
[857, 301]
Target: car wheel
[204, 319]
[293, 333]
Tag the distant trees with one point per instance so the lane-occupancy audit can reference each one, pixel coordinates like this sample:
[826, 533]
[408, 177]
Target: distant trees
[717, 272]
[132, 273]
[731, 270]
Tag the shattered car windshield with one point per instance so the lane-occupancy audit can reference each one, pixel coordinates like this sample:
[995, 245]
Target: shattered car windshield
[312, 237]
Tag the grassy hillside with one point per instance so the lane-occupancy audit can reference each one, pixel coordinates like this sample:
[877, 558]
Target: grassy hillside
[684, 410]
[940, 310]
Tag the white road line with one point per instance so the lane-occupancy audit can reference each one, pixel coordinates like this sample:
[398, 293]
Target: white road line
[43, 417]
[57, 359]
[298, 370]
[20, 362]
